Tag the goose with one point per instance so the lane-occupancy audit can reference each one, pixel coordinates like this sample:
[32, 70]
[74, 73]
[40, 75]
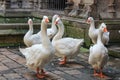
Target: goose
[39, 54]
[65, 47]
[53, 30]
[31, 39]
[98, 55]
[93, 32]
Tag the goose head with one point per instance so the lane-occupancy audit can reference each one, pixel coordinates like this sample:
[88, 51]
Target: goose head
[53, 27]
[45, 19]
[103, 27]
[90, 20]
[58, 21]
[30, 22]
[55, 17]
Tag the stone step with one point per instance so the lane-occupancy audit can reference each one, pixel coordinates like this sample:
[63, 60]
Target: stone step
[114, 50]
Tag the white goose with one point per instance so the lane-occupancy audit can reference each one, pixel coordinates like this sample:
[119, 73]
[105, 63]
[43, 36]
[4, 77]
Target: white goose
[53, 30]
[65, 47]
[27, 37]
[31, 39]
[39, 54]
[93, 32]
[98, 56]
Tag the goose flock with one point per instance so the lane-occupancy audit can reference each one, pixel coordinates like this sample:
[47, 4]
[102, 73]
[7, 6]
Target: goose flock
[42, 46]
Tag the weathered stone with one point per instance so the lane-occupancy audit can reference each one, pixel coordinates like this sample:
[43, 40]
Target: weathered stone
[18, 59]
[6, 52]
[58, 72]
[30, 76]
[22, 70]
[72, 72]
[75, 66]
[11, 64]
[78, 69]
[2, 78]
[2, 57]
[12, 76]
[3, 67]
[52, 76]
[18, 79]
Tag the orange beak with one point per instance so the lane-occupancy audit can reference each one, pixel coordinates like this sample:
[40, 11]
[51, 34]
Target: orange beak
[105, 30]
[88, 21]
[46, 20]
[29, 22]
[56, 22]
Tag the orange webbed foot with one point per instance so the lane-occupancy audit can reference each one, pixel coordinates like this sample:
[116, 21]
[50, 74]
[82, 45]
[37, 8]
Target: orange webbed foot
[96, 74]
[63, 61]
[43, 72]
[101, 75]
[41, 76]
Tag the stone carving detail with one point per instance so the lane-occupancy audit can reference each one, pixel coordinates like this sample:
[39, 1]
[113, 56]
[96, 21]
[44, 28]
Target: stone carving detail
[100, 9]
[75, 9]
[80, 8]
[111, 8]
[2, 5]
[20, 4]
[26, 4]
[14, 4]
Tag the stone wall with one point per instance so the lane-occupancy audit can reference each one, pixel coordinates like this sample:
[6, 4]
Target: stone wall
[74, 27]
[101, 9]
[13, 33]
[78, 28]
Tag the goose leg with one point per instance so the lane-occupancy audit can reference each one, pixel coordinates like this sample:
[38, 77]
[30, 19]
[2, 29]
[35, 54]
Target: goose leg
[43, 72]
[40, 75]
[63, 61]
[101, 75]
[95, 73]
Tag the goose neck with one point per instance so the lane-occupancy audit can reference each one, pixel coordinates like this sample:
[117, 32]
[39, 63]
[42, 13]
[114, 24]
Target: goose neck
[92, 25]
[60, 32]
[53, 25]
[45, 40]
[31, 28]
[99, 39]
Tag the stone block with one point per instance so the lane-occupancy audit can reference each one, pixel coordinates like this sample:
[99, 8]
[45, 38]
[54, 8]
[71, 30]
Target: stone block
[3, 67]
[72, 72]
[2, 78]
[12, 76]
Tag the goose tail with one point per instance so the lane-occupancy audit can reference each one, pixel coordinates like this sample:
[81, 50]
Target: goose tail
[81, 41]
[23, 51]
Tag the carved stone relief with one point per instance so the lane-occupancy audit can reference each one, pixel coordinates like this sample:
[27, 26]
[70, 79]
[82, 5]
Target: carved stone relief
[14, 4]
[26, 4]
[111, 9]
[96, 8]
[2, 5]
[80, 8]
